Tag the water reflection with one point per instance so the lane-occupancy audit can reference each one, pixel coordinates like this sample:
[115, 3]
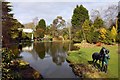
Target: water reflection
[58, 53]
[49, 58]
[56, 50]
[40, 49]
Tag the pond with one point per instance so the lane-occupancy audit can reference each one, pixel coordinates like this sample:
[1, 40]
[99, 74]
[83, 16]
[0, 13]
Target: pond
[49, 58]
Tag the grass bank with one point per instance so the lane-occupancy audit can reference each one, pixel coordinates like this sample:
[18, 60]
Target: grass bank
[83, 55]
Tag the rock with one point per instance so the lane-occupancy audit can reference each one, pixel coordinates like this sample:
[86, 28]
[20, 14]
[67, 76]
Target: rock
[26, 71]
[23, 63]
[85, 71]
[30, 74]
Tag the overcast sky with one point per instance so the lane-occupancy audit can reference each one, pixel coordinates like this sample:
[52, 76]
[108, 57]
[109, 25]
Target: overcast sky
[27, 10]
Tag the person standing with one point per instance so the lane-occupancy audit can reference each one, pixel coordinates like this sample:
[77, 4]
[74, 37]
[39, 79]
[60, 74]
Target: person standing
[102, 53]
[105, 60]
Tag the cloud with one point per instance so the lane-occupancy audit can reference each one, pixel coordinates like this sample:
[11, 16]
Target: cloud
[63, 0]
[26, 11]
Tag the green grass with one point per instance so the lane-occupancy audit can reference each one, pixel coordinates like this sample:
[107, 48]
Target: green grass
[84, 55]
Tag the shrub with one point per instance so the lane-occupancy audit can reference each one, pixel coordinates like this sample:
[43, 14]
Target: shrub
[95, 38]
[8, 69]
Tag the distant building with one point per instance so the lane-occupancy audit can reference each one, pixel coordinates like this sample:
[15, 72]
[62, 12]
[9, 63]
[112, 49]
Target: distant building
[28, 30]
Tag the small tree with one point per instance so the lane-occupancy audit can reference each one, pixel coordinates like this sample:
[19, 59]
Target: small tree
[113, 33]
[98, 23]
[96, 35]
[78, 36]
[102, 33]
[105, 36]
[86, 28]
[39, 33]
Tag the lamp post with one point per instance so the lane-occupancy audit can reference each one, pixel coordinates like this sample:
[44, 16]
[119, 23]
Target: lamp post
[32, 38]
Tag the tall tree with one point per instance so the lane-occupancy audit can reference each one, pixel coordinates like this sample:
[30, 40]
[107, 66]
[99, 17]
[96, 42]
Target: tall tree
[7, 19]
[59, 22]
[118, 22]
[0, 22]
[80, 14]
[41, 24]
[14, 32]
[57, 25]
[9, 25]
[40, 29]
[118, 28]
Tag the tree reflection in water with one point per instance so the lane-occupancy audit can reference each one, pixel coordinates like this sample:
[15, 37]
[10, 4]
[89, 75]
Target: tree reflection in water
[57, 50]
[40, 49]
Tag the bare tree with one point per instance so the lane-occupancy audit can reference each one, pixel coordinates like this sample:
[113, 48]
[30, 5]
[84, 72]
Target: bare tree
[107, 14]
[110, 15]
[35, 21]
[95, 14]
[69, 25]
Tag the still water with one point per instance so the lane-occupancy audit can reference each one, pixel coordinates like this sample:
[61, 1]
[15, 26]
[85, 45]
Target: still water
[49, 58]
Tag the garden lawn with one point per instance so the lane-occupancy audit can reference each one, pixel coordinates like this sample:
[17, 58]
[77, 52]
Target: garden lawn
[85, 54]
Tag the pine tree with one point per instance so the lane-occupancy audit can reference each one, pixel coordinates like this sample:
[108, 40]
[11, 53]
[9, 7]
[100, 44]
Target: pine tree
[40, 29]
[113, 33]
[41, 24]
[9, 25]
[80, 14]
[6, 22]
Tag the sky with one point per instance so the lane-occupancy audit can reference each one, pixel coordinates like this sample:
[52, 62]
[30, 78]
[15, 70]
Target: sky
[48, 10]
